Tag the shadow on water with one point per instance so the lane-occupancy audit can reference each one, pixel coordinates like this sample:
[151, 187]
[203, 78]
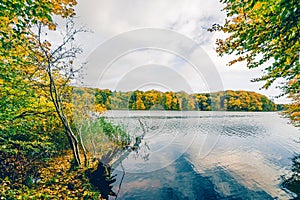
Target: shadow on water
[101, 177]
[102, 180]
[292, 182]
[181, 181]
[220, 177]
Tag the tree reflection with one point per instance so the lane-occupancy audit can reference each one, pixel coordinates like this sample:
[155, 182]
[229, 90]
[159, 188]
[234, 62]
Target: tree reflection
[102, 178]
[292, 182]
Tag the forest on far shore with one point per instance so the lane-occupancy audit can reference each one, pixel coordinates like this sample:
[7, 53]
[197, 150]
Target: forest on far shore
[229, 100]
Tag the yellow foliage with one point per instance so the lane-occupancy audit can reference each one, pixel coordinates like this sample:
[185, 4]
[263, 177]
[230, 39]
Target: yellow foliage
[100, 108]
[257, 5]
[57, 181]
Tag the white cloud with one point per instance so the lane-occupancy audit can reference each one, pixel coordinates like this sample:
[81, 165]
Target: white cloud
[189, 18]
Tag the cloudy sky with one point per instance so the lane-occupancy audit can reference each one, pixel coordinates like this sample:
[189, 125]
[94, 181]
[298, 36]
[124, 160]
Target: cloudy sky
[138, 44]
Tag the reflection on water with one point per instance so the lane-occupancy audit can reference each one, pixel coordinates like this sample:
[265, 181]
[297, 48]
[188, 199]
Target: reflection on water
[206, 155]
[181, 181]
[292, 181]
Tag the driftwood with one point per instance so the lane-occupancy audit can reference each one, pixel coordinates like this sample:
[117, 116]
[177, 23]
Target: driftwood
[115, 163]
[102, 177]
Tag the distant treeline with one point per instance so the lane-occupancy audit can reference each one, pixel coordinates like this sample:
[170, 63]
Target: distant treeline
[155, 100]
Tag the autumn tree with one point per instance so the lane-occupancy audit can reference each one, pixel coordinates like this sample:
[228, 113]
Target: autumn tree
[31, 65]
[103, 99]
[34, 87]
[152, 99]
[223, 100]
[120, 100]
[58, 64]
[265, 33]
[247, 101]
[136, 101]
[170, 101]
[203, 102]
[293, 110]
[186, 101]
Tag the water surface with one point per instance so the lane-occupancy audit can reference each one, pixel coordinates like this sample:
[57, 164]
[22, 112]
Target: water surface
[206, 155]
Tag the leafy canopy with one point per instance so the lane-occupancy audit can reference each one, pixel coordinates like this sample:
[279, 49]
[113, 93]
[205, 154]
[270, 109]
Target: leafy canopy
[27, 114]
[264, 32]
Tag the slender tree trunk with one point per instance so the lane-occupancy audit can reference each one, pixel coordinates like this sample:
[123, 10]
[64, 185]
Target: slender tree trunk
[51, 59]
[59, 110]
[84, 149]
[74, 147]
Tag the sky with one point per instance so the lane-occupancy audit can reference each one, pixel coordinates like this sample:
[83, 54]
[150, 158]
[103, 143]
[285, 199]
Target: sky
[164, 45]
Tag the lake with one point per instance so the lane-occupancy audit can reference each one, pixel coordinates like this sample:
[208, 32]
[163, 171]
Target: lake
[206, 155]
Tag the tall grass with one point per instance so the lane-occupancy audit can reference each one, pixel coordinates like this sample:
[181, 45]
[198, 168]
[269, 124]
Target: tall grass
[99, 136]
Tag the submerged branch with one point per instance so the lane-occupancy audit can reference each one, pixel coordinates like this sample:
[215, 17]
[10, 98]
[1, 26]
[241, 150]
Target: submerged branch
[135, 146]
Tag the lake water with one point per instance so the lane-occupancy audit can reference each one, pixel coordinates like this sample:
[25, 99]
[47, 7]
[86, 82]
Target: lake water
[206, 155]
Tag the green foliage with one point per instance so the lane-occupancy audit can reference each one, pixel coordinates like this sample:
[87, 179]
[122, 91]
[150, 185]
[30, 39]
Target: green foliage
[33, 76]
[265, 34]
[293, 110]
[186, 101]
[281, 107]
[103, 98]
[152, 99]
[99, 136]
[28, 123]
[228, 100]
[136, 101]
[203, 102]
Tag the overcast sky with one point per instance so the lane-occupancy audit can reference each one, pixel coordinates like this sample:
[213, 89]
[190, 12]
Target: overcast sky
[138, 44]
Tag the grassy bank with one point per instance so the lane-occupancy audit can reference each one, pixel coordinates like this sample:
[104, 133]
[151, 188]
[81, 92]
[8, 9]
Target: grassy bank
[52, 175]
